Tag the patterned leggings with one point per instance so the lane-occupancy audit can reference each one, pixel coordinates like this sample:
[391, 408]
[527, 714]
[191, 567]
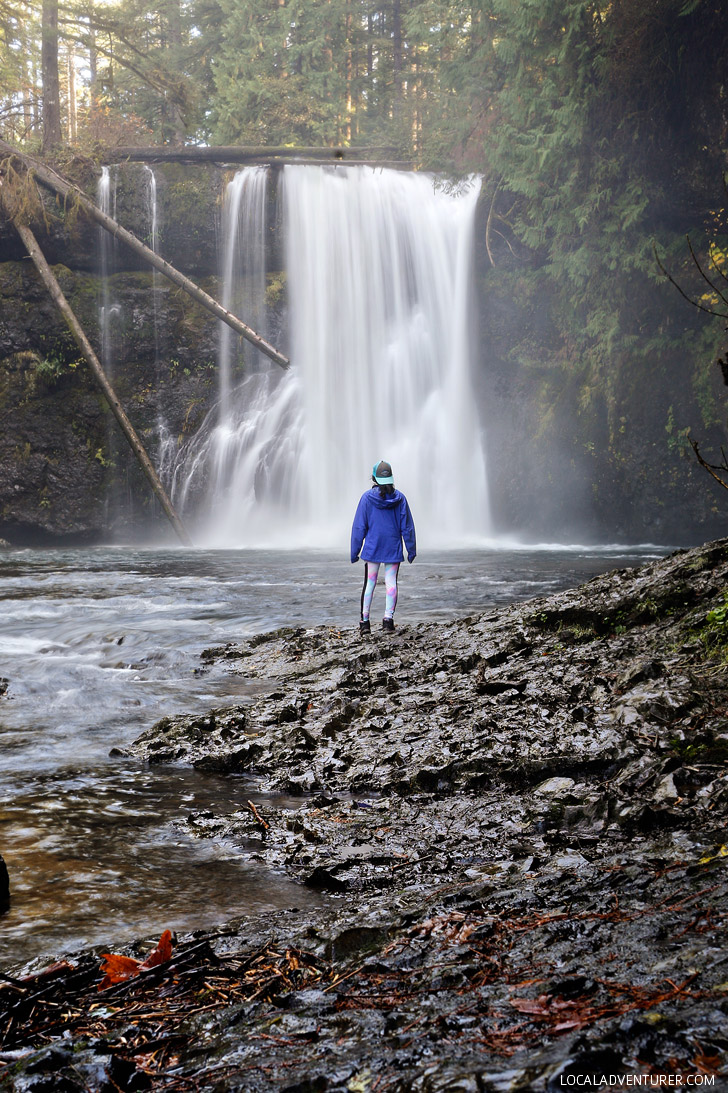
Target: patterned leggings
[371, 572]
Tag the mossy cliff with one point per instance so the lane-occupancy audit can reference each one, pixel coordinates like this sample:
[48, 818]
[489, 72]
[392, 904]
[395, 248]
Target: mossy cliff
[65, 472]
[62, 462]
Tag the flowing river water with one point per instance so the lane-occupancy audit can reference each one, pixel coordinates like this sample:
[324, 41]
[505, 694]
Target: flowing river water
[98, 644]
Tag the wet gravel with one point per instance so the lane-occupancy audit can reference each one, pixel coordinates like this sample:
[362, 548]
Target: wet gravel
[518, 820]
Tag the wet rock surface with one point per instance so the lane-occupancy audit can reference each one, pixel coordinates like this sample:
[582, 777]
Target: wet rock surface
[519, 820]
[4, 886]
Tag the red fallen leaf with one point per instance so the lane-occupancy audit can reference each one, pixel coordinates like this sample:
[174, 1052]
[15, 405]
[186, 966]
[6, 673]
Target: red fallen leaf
[161, 954]
[117, 968]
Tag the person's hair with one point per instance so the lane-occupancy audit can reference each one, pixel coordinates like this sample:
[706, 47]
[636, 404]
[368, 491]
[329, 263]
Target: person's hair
[384, 491]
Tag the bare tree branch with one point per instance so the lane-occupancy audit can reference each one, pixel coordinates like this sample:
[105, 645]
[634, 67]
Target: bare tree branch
[717, 268]
[711, 468]
[700, 307]
[703, 274]
[489, 221]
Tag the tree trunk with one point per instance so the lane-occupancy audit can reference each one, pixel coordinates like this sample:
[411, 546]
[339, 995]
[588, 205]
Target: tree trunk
[397, 59]
[72, 116]
[28, 85]
[49, 75]
[93, 60]
[99, 375]
[175, 61]
[53, 181]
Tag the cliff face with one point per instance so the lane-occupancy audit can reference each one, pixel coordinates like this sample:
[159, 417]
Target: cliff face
[65, 472]
[567, 460]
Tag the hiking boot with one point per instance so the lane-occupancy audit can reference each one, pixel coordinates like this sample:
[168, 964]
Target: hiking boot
[365, 627]
[388, 624]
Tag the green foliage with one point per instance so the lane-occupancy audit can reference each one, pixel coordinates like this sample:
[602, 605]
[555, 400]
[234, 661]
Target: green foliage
[714, 632]
[50, 368]
[278, 76]
[677, 438]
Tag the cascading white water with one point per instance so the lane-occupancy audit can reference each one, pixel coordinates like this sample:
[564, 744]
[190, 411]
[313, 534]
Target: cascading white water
[379, 278]
[244, 220]
[231, 460]
[106, 199]
[153, 227]
[378, 266]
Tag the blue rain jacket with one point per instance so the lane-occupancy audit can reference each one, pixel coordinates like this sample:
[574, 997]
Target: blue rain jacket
[381, 523]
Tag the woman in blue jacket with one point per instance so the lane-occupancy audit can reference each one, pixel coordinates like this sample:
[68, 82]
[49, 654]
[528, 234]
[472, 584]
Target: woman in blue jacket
[383, 519]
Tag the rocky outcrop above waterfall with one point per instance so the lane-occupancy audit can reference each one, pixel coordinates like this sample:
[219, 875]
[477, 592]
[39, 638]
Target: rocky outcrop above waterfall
[517, 824]
[187, 208]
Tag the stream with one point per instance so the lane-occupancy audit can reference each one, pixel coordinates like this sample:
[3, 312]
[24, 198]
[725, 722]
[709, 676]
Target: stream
[97, 644]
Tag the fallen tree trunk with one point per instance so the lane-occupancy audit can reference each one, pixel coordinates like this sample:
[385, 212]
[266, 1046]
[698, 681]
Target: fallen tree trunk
[101, 378]
[53, 181]
[250, 154]
[261, 160]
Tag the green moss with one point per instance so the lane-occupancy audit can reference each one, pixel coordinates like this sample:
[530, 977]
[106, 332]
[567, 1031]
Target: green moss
[275, 293]
[704, 749]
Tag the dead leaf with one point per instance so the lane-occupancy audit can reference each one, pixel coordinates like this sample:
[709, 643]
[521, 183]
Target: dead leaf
[117, 968]
[161, 954]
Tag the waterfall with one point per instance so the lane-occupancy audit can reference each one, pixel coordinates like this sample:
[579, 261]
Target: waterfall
[153, 229]
[109, 311]
[378, 266]
[106, 199]
[243, 277]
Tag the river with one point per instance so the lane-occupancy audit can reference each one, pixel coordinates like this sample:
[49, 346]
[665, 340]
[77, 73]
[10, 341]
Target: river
[97, 644]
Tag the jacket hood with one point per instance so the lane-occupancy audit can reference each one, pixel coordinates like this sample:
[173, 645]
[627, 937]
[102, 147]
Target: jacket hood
[385, 502]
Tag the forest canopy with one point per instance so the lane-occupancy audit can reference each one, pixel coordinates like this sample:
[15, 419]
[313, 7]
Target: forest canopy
[440, 79]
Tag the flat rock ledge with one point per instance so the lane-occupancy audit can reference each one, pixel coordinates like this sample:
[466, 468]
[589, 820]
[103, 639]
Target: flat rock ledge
[516, 822]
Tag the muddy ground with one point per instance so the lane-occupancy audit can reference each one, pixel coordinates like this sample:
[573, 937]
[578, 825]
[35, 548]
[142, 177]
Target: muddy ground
[518, 823]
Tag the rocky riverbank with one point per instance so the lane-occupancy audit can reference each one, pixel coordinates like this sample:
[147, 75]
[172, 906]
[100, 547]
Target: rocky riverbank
[518, 820]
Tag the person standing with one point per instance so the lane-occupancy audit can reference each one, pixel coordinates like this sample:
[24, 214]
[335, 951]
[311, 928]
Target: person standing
[383, 519]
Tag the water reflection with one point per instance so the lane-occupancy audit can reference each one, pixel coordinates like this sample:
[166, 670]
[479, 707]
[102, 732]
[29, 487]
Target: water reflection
[95, 858]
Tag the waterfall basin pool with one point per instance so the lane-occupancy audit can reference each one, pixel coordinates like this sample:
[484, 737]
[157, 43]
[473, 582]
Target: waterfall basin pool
[97, 644]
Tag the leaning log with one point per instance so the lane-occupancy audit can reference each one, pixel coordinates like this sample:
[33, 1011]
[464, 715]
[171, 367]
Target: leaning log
[101, 378]
[53, 181]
